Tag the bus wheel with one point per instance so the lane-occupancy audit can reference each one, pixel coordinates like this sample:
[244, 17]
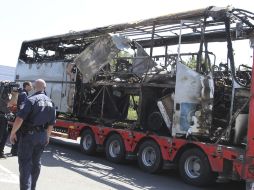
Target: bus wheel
[115, 149]
[149, 156]
[195, 168]
[87, 142]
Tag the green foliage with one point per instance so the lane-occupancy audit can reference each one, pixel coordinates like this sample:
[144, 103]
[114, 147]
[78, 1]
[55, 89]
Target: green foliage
[132, 113]
[123, 54]
[119, 55]
[191, 62]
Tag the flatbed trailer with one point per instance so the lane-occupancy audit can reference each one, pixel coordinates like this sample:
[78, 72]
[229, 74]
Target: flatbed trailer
[199, 163]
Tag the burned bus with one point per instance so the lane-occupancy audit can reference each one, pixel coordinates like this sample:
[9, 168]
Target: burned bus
[176, 88]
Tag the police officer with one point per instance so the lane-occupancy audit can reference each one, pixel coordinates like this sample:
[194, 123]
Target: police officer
[27, 87]
[35, 121]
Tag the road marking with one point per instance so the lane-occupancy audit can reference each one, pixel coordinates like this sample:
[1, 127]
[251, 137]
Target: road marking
[7, 176]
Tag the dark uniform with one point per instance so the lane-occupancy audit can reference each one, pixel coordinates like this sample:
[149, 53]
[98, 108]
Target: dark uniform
[4, 99]
[38, 113]
[3, 133]
[21, 98]
[21, 101]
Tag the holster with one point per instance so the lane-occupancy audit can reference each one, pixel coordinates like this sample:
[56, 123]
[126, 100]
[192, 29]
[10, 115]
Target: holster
[28, 127]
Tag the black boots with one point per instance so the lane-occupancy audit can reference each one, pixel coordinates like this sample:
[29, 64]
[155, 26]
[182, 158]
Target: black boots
[2, 154]
[14, 152]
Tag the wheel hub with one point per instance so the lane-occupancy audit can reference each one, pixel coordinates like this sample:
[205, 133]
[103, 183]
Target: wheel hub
[114, 149]
[87, 142]
[192, 167]
[148, 156]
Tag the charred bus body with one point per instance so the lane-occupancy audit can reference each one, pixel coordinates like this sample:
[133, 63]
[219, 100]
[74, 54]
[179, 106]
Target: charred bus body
[97, 77]
[162, 70]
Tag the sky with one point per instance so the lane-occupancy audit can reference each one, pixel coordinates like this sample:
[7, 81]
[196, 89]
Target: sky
[22, 20]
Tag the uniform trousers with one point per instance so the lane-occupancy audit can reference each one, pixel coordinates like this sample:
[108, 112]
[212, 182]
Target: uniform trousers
[31, 146]
[3, 132]
[14, 147]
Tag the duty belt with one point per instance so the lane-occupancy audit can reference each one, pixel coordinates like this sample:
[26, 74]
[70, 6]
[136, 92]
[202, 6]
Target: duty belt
[35, 129]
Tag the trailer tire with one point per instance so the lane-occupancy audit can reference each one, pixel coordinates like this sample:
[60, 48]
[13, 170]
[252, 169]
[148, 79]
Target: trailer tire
[115, 149]
[195, 168]
[149, 157]
[87, 142]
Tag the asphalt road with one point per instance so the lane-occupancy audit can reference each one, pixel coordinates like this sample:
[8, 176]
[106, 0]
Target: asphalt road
[64, 167]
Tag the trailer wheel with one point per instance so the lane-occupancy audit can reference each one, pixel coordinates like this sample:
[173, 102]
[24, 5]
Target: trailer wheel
[149, 157]
[115, 149]
[87, 142]
[195, 168]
